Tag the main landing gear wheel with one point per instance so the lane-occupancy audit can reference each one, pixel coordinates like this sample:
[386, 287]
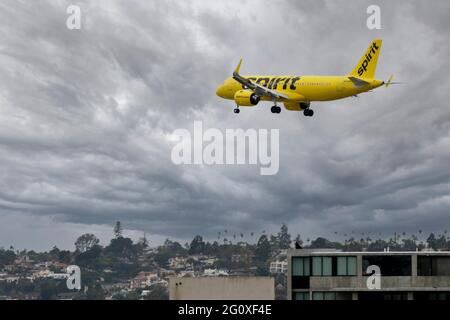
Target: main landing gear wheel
[275, 109]
[236, 110]
[308, 112]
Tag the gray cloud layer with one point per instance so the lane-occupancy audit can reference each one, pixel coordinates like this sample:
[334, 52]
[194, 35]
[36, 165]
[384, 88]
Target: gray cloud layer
[86, 116]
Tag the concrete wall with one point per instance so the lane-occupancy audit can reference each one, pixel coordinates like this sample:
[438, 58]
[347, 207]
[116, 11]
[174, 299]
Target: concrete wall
[222, 288]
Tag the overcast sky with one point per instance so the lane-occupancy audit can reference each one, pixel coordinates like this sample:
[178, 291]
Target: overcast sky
[86, 118]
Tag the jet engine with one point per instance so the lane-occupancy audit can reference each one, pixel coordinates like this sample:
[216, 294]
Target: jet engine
[246, 98]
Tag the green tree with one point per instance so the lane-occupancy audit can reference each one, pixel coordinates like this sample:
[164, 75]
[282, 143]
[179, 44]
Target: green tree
[89, 258]
[86, 242]
[144, 241]
[441, 242]
[262, 270]
[351, 245]
[323, 243]
[299, 240]
[7, 257]
[431, 241]
[169, 250]
[55, 252]
[95, 292]
[158, 292]
[65, 256]
[378, 245]
[118, 230]
[284, 238]
[197, 245]
[274, 242]
[409, 245]
[263, 249]
[122, 248]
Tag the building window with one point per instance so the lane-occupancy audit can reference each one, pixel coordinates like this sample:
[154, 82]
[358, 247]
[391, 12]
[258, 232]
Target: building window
[346, 266]
[389, 265]
[322, 266]
[382, 296]
[324, 295]
[317, 266]
[433, 266]
[300, 266]
[432, 295]
[301, 296]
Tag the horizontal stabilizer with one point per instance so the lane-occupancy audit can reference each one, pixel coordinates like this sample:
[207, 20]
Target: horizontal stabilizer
[389, 82]
[358, 81]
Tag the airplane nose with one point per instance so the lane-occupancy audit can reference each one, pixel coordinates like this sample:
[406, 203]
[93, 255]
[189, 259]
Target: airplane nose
[219, 91]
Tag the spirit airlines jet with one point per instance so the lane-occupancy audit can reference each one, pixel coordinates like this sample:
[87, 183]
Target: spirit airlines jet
[297, 92]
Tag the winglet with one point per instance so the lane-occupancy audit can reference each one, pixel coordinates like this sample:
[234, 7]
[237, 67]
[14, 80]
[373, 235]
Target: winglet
[236, 71]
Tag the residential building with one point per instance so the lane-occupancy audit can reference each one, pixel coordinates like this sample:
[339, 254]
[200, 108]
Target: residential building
[215, 272]
[177, 263]
[328, 274]
[143, 279]
[278, 267]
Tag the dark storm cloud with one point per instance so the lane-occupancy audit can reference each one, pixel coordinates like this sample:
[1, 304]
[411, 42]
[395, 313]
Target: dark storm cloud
[86, 118]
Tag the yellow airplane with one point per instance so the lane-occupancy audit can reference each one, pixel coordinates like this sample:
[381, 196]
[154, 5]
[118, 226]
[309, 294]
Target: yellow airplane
[297, 92]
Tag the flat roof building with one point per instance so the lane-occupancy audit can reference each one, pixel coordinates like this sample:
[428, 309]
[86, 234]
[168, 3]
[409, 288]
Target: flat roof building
[318, 274]
[222, 288]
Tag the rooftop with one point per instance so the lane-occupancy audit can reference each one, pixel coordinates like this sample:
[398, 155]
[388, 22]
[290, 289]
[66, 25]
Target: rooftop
[334, 252]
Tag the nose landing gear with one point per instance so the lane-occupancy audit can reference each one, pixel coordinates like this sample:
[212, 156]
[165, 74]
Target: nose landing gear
[275, 109]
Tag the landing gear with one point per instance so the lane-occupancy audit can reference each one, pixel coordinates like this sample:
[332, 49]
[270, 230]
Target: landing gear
[308, 112]
[275, 109]
[236, 110]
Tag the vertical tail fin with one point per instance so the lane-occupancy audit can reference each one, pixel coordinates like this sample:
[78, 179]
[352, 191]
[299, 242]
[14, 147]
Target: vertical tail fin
[238, 68]
[368, 62]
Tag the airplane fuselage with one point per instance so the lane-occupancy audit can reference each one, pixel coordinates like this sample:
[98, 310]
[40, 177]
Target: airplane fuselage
[301, 88]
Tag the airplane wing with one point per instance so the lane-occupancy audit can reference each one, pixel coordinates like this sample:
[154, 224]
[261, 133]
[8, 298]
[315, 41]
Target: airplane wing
[258, 89]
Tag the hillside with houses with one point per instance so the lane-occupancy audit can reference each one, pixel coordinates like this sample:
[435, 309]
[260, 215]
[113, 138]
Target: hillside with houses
[135, 270]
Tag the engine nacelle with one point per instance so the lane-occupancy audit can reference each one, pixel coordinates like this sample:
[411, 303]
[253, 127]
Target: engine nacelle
[246, 98]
